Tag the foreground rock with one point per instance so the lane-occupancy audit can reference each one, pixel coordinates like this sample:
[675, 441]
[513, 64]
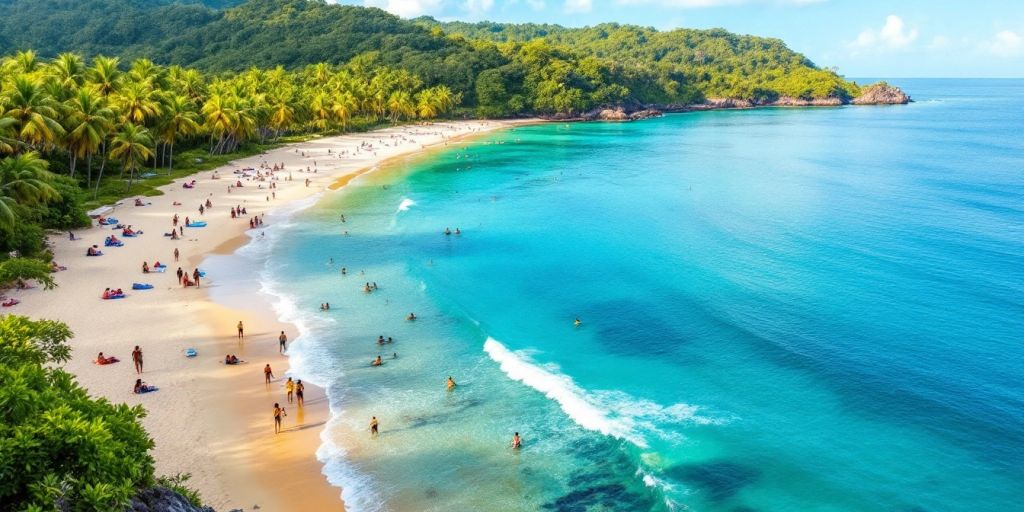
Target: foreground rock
[881, 94]
[162, 499]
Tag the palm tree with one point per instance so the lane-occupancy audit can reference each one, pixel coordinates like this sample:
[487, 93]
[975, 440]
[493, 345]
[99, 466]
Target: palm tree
[68, 70]
[180, 120]
[23, 180]
[282, 113]
[344, 107]
[35, 113]
[400, 105]
[138, 103]
[320, 109]
[89, 121]
[105, 75]
[217, 120]
[8, 135]
[131, 147]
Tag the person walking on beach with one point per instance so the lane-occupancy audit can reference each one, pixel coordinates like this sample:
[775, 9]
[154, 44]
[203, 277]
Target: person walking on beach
[180, 274]
[374, 427]
[278, 413]
[241, 331]
[176, 254]
[268, 374]
[300, 388]
[137, 359]
[290, 388]
[282, 341]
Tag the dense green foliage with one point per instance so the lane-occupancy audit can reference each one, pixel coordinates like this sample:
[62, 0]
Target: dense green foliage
[82, 120]
[501, 69]
[61, 449]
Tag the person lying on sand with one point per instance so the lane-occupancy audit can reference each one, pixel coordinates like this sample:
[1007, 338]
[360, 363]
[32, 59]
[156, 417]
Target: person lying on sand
[142, 387]
[100, 359]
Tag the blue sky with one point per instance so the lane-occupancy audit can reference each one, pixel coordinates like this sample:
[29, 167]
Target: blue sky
[863, 38]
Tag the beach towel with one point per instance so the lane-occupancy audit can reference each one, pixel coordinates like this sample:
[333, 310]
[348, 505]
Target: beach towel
[158, 270]
[160, 266]
[113, 244]
[132, 235]
[186, 185]
[149, 389]
[108, 360]
[112, 297]
[199, 224]
[109, 221]
[191, 352]
[142, 286]
[98, 253]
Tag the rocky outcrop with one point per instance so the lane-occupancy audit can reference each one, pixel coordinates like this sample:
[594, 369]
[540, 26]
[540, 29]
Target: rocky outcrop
[787, 101]
[881, 94]
[162, 499]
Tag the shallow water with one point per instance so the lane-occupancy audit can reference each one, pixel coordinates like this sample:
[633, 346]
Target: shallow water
[782, 309]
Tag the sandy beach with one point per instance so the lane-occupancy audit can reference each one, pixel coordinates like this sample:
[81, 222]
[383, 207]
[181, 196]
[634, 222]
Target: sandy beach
[207, 418]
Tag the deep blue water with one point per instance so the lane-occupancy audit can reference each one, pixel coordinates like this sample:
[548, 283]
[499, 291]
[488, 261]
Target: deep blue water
[782, 309]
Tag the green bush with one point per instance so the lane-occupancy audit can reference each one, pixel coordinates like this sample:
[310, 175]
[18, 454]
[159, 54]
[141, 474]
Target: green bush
[61, 449]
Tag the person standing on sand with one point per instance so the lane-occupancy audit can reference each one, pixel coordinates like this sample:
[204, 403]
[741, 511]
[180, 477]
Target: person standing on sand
[137, 359]
[290, 388]
[180, 274]
[268, 374]
[278, 413]
[241, 331]
[300, 389]
[176, 254]
[374, 427]
[195, 276]
[282, 341]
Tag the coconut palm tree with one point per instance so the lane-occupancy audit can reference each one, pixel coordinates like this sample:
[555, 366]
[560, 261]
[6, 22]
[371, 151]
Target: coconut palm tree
[68, 70]
[8, 135]
[34, 112]
[89, 121]
[180, 120]
[23, 180]
[130, 146]
[138, 103]
[400, 105]
[343, 107]
[105, 75]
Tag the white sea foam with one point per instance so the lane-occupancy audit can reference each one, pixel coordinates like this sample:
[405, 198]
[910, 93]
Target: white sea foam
[612, 413]
[406, 204]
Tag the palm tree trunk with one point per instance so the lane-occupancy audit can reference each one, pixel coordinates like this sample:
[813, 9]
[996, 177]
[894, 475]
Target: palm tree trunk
[131, 178]
[103, 165]
[74, 160]
[170, 158]
[88, 171]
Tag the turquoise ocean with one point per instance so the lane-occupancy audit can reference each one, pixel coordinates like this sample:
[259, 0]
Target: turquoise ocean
[782, 309]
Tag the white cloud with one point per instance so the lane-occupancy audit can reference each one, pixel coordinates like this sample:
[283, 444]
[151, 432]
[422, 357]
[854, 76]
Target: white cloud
[894, 35]
[537, 5]
[578, 5]
[479, 6]
[698, 4]
[1005, 43]
[405, 8]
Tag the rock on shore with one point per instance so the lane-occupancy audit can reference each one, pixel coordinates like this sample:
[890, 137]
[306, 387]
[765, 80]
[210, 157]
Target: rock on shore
[881, 94]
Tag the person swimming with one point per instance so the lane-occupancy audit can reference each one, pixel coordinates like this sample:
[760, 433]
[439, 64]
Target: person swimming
[450, 384]
[577, 322]
[380, 340]
[447, 231]
[517, 442]
[411, 317]
[377, 362]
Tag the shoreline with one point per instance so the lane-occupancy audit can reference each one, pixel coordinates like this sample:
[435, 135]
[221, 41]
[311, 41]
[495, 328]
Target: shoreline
[208, 419]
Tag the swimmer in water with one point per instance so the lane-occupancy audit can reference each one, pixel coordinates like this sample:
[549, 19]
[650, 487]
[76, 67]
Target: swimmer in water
[450, 384]
[577, 322]
[517, 442]
[377, 362]
[447, 231]
[411, 317]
